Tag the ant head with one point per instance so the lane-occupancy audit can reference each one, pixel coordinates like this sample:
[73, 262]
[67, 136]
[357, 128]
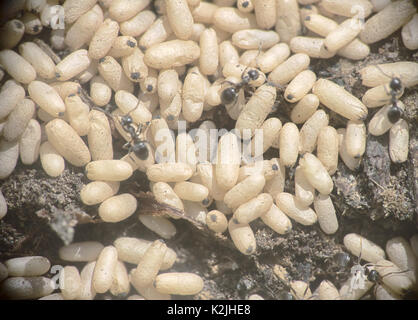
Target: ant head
[394, 113]
[253, 74]
[135, 75]
[126, 119]
[140, 149]
[373, 275]
[228, 95]
[395, 84]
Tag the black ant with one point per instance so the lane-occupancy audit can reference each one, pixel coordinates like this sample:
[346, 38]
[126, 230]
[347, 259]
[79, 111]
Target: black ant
[375, 277]
[361, 273]
[136, 145]
[395, 85]
[230, 94]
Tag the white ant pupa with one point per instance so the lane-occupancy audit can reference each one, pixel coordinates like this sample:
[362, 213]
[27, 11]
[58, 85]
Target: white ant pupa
[53, 16]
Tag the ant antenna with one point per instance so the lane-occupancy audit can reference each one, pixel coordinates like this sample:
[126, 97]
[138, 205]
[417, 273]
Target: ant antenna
[133, 109]
[383, 72]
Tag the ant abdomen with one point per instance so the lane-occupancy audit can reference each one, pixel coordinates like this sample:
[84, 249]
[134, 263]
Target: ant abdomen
[228, 95]
[394, 113]
[395, 84]
[140, 149]
[372, 275]
[253, 74]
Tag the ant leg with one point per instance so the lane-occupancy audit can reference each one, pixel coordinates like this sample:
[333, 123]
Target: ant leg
[138, 130]
[260, 46]
[296, 295]
[293, 292]
[141, 130]
[108, 114]
[393, 272]
[104, 111]
[367, 265]
[388, 93]
[144, 128]
[387, 75]
[127, 146]
[132, 158]
[277, 86]
[395, 85]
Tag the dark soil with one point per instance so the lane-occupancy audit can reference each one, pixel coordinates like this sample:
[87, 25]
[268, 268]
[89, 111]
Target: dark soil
[378, 201]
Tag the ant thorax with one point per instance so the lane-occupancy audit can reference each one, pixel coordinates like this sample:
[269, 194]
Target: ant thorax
[396, 84]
